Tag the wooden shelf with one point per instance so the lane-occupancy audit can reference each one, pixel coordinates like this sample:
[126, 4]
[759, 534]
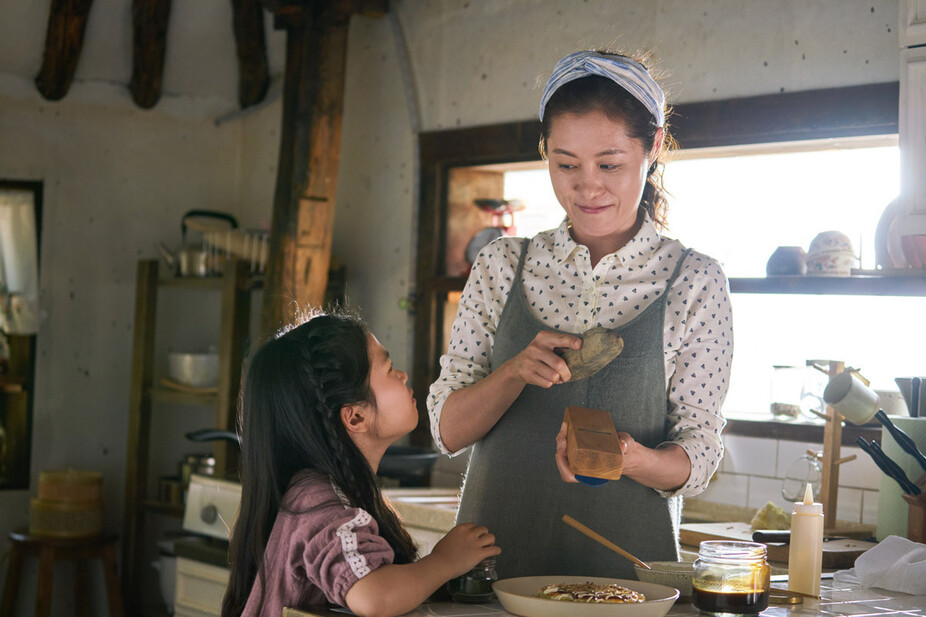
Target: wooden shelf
[869, 284]
[234, 321]
[163, 507]
[810, 431]
[166, 395]
[247, 282]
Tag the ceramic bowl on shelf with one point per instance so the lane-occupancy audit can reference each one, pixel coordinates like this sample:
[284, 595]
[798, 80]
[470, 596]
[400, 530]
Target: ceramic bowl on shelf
[828, 242]
[193, 369]
[831, 264]
[787, 260]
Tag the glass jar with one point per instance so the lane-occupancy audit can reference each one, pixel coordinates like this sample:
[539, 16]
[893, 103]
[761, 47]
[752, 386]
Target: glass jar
[730, 578]
[787, 382]
[476, 585]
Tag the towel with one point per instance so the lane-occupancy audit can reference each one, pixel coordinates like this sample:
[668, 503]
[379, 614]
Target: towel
[895, 563]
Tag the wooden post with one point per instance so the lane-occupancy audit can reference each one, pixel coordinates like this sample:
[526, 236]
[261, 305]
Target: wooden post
[310, 146]
[136, 460]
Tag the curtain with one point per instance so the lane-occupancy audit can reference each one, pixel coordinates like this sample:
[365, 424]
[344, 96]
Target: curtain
[19, 274]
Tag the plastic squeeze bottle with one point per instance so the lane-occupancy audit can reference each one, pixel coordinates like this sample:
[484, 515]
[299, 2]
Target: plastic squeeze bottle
[805, 555]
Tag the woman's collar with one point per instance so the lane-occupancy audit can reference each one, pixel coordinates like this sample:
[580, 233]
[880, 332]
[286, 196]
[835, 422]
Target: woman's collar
[635, 254]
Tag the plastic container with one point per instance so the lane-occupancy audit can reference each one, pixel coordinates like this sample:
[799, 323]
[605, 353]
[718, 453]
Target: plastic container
[805, 556]
[730, 578]
[476, 585]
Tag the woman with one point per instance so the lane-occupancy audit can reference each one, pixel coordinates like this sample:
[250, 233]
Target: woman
[504, 386]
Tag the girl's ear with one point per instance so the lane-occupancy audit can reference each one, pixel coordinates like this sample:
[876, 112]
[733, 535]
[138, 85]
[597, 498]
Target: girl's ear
[356, 418]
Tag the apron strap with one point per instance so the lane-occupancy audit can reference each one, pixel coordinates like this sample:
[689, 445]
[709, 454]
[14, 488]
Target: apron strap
[517, 275]
[678, 268]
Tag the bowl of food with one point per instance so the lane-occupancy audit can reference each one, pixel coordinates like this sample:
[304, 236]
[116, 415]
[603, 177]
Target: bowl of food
[675, 574]
[583, 596]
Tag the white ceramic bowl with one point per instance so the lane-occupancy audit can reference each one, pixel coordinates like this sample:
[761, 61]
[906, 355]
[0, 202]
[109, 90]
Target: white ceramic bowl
[199, 370]
[675, 574]
[831, 264]
[830, 241]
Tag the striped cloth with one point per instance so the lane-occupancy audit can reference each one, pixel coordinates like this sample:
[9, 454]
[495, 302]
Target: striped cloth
[625, 72]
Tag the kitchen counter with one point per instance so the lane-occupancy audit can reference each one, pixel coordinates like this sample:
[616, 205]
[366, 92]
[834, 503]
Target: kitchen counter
[835, 601]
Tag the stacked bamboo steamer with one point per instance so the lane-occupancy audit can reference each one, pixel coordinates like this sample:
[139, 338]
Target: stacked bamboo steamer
[69, 505]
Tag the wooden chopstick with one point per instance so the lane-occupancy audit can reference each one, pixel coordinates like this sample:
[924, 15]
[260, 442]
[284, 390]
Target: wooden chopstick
[602, 540]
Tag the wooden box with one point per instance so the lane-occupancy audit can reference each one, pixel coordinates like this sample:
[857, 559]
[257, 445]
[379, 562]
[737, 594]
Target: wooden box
[592, 446]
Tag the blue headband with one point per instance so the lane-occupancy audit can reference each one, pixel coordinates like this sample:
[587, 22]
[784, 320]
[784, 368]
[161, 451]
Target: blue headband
[625, 72]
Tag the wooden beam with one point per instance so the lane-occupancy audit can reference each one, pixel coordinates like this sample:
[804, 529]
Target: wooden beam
[149, 45]
[64, 39]
[303, 207]
[251, 46]
[366, 8]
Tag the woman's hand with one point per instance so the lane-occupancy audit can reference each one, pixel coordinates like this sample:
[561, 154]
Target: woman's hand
[665, 467]
[470, 413]
[539, 364]
[562, 461]
[464, 546]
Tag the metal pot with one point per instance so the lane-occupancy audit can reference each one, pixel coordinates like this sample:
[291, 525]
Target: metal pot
[200, 464]
[194, 259]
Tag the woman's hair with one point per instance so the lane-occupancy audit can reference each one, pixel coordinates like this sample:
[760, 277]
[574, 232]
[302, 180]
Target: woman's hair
[290, 420]
[595, 93]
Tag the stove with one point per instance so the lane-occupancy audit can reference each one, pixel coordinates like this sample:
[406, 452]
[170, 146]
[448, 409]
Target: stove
[202, 556]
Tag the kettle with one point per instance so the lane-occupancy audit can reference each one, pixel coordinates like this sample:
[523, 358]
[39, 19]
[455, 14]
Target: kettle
[192, 259]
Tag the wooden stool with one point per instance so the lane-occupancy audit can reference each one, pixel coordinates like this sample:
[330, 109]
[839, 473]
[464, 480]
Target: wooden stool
[49, 550]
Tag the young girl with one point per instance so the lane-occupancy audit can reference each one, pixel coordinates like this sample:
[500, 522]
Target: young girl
[321, 404]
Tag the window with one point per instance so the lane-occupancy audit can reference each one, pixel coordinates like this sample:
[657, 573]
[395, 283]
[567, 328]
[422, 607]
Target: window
[738, 205]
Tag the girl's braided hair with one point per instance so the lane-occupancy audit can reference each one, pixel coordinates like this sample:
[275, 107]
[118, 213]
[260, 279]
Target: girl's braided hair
[289, 420]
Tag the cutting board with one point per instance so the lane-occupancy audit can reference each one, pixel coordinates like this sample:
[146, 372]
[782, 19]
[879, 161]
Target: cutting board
[837, 554]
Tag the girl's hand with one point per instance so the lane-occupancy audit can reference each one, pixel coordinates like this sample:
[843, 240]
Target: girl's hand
[562, 461]
[539, 364]
[464, 546]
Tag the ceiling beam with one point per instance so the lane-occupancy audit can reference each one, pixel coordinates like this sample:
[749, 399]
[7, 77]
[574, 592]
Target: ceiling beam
[149, 46]
[251, 46]
[64, 39]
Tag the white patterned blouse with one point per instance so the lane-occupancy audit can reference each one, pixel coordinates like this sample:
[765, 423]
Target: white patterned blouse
[568, 294]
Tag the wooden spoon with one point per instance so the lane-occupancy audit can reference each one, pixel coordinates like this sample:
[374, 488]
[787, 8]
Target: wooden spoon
[602, 540]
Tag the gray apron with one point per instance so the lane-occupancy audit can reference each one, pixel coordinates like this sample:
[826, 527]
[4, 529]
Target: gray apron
[512, 485]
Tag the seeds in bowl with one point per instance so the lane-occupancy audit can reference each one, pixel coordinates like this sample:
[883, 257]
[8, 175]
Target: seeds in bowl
[590, 592]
